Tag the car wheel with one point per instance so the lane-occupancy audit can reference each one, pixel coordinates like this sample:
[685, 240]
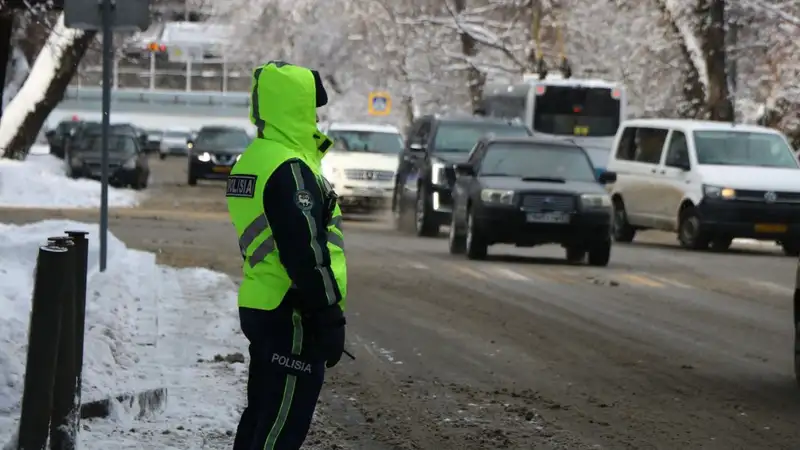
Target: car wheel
[458, 241]
[721, 243]
[600, 254]
[791, 247]
[398, 212]
[576, 255]
[423, 222]
[477, 248]
[622, 230]
[162, 156]
[690, 232]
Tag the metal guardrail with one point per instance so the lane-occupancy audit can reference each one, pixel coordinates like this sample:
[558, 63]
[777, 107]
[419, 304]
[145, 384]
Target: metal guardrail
[236, 100]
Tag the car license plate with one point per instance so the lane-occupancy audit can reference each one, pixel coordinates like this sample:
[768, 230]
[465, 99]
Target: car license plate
[551, 217]
[221, 169]
[771, 228]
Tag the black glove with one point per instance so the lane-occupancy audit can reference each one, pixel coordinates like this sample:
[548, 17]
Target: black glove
[327, 333]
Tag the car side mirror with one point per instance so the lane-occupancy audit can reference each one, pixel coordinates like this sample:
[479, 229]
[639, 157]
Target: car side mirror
[607, 177]
[684, 166]
[464, 169]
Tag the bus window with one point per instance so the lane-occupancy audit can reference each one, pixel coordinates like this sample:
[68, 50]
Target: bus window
[505, 107]
[576, 111]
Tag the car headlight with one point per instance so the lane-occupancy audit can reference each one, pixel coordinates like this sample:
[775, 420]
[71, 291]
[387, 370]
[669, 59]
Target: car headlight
[189, 145]
[75, 161]
[238, 157]
[589, 201]
[130, 164]
[438, 176]
[497, 196]
[204, 157]
[718, 192]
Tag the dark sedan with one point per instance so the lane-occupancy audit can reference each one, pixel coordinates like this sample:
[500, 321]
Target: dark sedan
[128, 163]
[214, 152]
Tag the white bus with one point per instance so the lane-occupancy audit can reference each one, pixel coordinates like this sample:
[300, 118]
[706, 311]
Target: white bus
[586, 111]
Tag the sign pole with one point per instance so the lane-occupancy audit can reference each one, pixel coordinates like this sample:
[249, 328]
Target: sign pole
[108, 36]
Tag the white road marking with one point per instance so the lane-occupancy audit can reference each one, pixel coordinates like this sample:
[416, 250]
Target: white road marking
[417, 265]
[508, 273]
[774, 287]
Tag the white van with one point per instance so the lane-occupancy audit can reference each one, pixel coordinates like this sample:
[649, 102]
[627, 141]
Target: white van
[362, 164]
[709, 182]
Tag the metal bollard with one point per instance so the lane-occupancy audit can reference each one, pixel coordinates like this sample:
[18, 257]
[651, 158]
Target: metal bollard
[63, 423]
[43, 341]
[82, 246]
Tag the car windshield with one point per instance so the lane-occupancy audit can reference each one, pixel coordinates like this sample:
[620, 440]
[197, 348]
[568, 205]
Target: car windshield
[461, 137]
[177, 135]
[740, 148]
[222, 137]
[525, 160]
[367, 141]
[117, 144]
[599, 156]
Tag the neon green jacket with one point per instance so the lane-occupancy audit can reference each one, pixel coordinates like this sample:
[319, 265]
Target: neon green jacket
[283, 108]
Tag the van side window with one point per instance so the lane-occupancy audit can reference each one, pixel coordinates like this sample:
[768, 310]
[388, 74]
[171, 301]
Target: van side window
[678, 151]
[649, 143]
[625, 149]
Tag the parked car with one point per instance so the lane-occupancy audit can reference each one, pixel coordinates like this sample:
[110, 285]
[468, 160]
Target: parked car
[709, 182]
[128, 163]
[435, 144]
[527, 192]
[214, 152]
[153, 140]
[58, 137]
[174, 142]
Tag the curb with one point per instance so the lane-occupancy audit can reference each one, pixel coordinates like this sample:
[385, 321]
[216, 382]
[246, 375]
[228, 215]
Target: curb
[143, 403]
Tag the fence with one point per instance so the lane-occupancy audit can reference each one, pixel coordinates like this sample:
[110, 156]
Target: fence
[155, 71]
[51, 399]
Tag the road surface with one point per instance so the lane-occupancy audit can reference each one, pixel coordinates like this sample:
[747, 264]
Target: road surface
[664, 349]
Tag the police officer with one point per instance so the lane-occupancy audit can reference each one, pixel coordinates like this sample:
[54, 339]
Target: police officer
[292, 296]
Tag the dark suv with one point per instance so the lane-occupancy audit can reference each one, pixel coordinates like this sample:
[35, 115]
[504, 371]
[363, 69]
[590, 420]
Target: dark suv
[214, 152]
[425, 175]
[528, 192]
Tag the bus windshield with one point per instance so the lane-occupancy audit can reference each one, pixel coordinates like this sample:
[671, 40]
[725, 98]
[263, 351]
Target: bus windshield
[576, 111]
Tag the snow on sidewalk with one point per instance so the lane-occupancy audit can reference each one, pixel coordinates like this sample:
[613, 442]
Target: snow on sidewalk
[40, 182]
[148, 326]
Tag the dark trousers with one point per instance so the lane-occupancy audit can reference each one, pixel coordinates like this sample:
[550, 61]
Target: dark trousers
[283, 384]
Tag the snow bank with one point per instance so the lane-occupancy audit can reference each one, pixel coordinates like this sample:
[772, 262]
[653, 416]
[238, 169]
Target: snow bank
[40, 182]
[148, 326]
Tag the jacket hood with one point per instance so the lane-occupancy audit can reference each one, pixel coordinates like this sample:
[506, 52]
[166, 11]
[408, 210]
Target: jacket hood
[283, 109]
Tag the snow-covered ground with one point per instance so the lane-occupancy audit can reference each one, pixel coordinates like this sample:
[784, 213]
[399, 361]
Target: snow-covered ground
[148, 326]
[40, 182]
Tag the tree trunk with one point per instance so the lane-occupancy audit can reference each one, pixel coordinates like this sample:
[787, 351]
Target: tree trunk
[694, 95]
[469, 48]
[6, 28]
[718, 105]
[66, 65]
